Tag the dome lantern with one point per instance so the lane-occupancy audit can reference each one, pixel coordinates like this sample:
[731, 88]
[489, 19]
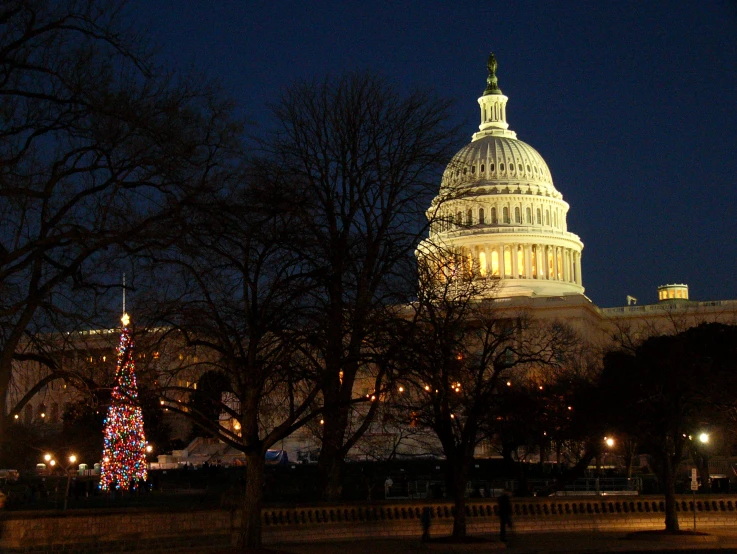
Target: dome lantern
[493, 107]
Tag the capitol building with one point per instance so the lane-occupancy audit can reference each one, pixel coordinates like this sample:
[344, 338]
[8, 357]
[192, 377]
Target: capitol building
[500, 218]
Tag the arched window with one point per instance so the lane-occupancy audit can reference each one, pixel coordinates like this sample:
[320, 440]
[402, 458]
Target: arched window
[539, 217]
[482, 264]
[495, 263]
[507, 263]
[505, 214]
[555, 218]
[517, 216]
[547, 217]
[459, 219]
[494, 219]
[469, 217]
[528, 215]
[481, 216]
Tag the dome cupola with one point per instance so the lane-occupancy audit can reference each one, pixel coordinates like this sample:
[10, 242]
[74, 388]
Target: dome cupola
[500, 213]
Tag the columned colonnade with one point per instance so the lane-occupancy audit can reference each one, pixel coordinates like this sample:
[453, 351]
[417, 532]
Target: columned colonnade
[524, 261]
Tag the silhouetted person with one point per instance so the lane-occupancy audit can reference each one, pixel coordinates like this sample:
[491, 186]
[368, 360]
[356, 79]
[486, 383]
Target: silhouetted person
[426, 520]
[505, 515]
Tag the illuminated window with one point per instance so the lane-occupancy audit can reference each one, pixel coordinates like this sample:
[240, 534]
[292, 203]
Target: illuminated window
[560, 267]
[482, 263]
[507, 263]
[551, 264]
[533, 260]
[495, 263]
[671, 293]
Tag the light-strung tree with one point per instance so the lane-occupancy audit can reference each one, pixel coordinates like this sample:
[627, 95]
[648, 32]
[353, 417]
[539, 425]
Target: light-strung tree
[236, 308]
[666, 390]
[463, 351]
[124, 451]
[368, 158]
[98, 146]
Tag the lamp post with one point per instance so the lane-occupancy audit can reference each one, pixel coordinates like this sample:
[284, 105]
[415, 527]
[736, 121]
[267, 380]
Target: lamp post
[72, 459]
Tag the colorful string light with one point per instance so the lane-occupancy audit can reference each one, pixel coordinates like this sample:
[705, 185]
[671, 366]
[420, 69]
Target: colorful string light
[124, 452]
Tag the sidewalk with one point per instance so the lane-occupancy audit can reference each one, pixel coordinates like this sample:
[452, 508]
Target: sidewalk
[717, 540]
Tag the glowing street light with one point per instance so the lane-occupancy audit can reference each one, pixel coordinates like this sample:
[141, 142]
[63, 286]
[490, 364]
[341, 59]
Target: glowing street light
[72, 459]
[704, 438]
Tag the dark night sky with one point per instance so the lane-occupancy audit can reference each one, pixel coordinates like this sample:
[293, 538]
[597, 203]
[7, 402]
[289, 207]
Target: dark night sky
[632, 104]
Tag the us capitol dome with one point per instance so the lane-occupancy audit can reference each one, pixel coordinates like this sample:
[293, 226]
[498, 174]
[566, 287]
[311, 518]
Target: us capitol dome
[500, 215]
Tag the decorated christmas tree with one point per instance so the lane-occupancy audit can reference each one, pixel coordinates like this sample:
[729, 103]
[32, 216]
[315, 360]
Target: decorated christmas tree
[124, 454]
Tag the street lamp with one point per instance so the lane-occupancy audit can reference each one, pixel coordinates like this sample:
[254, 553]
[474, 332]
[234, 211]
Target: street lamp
[72, 459]
[704, 438]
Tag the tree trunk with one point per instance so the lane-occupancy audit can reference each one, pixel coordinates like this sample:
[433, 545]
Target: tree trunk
[250, 534]
[330, 467]
[669, 482]
[458, 490]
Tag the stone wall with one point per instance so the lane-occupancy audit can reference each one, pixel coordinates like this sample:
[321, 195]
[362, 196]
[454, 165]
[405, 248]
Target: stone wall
[151, 530]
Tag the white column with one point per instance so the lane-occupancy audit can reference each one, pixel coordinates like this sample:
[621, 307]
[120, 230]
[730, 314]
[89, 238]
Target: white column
[528, 261]
[579, 279]
[513, 255]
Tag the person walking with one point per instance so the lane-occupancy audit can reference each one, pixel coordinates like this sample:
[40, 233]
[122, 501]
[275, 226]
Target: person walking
[425, 519]
[505, 515]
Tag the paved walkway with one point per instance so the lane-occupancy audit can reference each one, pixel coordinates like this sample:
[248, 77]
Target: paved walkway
[718, 540]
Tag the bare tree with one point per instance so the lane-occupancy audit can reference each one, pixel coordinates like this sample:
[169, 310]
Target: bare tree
[239, 305]
[98, 147]
[462, 353]
[369, 159]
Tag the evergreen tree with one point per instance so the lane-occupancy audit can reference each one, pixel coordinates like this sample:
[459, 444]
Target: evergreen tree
[124, 456]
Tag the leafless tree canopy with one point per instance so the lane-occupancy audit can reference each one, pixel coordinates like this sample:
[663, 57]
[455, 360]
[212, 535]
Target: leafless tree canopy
[98, 148]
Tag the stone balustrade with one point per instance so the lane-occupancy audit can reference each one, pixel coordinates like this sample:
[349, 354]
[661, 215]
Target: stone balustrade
[151, 529]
